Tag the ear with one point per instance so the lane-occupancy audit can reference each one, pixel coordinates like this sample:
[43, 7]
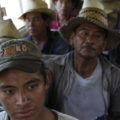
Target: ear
[104, 46]
[48, 79]
[72, 39]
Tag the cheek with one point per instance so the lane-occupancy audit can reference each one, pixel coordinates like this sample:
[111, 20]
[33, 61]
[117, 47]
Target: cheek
[77, 41]
[7, 102]
[41, 26]
[38, 97]
[101, 45]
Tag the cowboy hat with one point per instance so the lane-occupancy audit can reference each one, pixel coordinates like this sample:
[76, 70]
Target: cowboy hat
[8, 29]
[93, 12]
[36, 6]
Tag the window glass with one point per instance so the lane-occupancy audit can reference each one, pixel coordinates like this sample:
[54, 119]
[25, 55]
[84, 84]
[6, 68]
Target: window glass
[14, 10]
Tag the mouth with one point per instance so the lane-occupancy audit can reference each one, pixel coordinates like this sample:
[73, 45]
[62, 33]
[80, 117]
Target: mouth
[25, 113]
[89, 48]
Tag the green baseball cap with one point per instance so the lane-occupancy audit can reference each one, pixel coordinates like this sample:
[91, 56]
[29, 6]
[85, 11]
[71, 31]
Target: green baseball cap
[20, 54]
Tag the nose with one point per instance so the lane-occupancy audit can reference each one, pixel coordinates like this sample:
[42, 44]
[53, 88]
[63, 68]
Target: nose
[89, 38]
[22, 99]
[30, 23]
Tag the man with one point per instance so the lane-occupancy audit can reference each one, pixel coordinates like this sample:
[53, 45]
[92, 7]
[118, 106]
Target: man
[23, 83]
[37, 17]
[65, 10]
[85, 84]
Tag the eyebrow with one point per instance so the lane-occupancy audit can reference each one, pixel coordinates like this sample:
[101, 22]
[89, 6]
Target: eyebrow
[29, 82]
[6, 86]
[33, 81]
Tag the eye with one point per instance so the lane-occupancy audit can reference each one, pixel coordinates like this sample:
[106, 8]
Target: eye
[37, 18]
[33, 86]
[27, 20]
[98, 36]
[8, 91]
[83, 33]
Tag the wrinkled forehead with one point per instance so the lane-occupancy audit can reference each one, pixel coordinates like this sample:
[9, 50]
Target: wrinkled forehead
[13, 76]
[89, 26]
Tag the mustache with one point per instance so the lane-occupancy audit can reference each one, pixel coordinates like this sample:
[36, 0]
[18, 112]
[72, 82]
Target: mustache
[88, 46]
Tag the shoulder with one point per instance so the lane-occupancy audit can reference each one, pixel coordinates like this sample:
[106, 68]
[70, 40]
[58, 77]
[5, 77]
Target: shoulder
[56, 59]
[108, 66]
[3, 115]
[59, 45]
[111, 73]
[57, 38]
[62, 116]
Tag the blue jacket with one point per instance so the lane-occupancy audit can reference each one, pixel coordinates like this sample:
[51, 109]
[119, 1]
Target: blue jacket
[55, 44]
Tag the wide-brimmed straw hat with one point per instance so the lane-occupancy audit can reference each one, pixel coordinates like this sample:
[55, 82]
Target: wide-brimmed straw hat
[36, 6]
[93, 12]
[8, 29]
[110, 5]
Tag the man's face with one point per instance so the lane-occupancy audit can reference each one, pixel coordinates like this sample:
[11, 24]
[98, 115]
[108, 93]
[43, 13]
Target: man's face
[64, 7]
[35, 24]
[22, 94]
[88, 40]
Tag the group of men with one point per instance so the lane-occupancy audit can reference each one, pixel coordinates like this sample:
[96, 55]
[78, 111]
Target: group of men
[80, 83]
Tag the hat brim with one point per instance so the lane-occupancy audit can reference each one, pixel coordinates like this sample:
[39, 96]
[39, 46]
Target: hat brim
[113, 36]
[46, 11]
[30, 66]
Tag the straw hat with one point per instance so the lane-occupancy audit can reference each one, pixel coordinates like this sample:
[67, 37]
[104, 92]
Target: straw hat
[8, 29]
[36, 6]
[110, 5]
[92, 11]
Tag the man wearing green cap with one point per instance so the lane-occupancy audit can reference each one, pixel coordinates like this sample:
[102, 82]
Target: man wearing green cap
[37, 17]
[85, 84]
[23, 83]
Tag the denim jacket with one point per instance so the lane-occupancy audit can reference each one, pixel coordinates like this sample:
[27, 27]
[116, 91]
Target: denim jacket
[55, 45]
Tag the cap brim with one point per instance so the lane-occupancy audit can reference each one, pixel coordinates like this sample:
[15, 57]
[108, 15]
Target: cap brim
[67, 29]
[47, 11]
[30, 66]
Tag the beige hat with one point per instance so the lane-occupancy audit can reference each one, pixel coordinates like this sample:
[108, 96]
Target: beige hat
[8, 29]
[36, 6]
[92, 11]
[110, 5]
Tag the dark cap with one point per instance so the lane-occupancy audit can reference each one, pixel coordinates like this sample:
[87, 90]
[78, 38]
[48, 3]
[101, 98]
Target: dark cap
[20, 54]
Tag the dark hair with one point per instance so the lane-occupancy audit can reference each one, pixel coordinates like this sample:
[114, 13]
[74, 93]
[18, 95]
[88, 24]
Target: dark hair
[42, 70]
[47, 18]
[43, 15]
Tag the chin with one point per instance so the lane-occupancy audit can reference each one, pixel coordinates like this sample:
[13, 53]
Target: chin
[87, 56]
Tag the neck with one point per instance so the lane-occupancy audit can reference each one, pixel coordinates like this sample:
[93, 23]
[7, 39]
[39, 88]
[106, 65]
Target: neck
[43, 114]
[84, 66]
[47, 115]
[41, 38]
